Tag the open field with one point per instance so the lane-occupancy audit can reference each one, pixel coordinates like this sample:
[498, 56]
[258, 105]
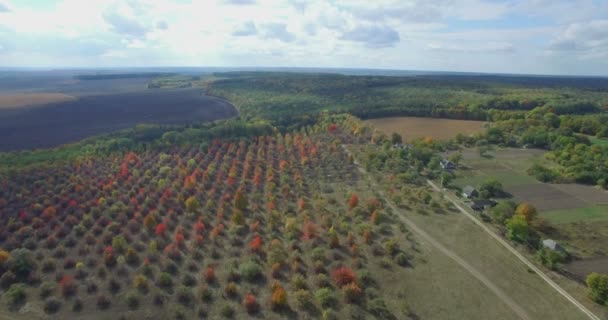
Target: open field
[65, 122]
[576, 212]
[30, 99]
[545, 197]
[565, 215]
[412, 128]
[507, 165]
[599, 141]
[581, 268]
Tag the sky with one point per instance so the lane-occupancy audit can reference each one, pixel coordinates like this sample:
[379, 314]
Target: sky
[568, 37]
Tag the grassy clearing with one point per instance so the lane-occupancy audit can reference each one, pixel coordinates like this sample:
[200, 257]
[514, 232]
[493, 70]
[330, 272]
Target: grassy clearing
[593, 213]
[598, 141]
[412, 127]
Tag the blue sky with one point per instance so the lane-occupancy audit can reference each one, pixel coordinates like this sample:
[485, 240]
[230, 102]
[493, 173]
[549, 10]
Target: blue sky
[512, 36]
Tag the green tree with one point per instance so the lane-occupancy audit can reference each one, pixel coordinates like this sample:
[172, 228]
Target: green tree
[598, 287]
[518, 228]
[502, 211]
[491, 188]
[446, 178]
[396, 138]
[192, 204]
[240, 200]
[455, 157]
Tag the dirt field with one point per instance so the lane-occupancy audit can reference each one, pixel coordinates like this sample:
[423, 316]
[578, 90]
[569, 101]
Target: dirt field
[29, 99]
[581, 268]
[70, 121]
[412, 127]
[545, 197]
[586, 193]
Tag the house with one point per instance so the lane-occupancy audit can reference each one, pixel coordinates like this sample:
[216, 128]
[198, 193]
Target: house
[447, 164]
[482, 204]
[469, 192]
[552, 245]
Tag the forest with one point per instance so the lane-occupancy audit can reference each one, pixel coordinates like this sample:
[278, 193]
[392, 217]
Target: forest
[284, 96]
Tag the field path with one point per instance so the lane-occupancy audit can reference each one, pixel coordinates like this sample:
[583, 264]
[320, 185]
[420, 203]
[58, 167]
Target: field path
[441, 248]
[527, 262]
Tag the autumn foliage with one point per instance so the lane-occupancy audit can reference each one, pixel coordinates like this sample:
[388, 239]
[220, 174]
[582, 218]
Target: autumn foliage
[279, 297]
[343, 276]
[160, 230]
[256, 244]
[353, 201]
[250, 303]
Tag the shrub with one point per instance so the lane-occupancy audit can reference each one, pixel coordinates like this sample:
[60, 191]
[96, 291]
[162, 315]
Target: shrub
[227, 311]
[325, 297]
[16, 294]
[188, 280]
[343, 276]
[209, 275]
[231, 289]
[278, 299]
[119, 244]
[113, 285]
[140, 282]
[164, 280]
[51, 305]
[401, 259]
[598, 287]
[132, 301]
[322, 281]
[7, 279]
[21, 263]
[378, 308]
[77, 305]
[298, 282]
[48, 265]
[250, 303]
[103, 302]
[391, 246]
[67, 285]
[205, 293]
[303, 299]
[250, 271]
[184, 295]
[46, 289]
[352, 292]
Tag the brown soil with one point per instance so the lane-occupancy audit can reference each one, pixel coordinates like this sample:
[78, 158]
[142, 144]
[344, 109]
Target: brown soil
[16, 100]
[411, 127]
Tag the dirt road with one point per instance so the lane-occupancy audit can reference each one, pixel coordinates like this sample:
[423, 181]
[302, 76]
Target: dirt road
[517, 309]
[504, 243]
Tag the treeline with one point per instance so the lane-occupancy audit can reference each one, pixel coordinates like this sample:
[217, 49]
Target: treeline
[567, 137]
[139, 138]
[122, 76]
[284, 95]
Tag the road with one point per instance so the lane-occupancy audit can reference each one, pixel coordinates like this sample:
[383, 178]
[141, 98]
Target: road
[523, 259]
[517, 309]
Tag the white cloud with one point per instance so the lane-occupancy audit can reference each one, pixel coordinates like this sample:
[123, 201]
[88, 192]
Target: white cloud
[587, 40]
[407, 34]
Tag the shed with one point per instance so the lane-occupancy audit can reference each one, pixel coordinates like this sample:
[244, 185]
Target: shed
[482, 204]
[553, 245]
[447, 164]
[469, 192]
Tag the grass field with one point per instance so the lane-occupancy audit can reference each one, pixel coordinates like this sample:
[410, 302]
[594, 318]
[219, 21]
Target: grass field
[506, 165]
[16, 100]
[411, 127]
[598, 141]
[592, 213]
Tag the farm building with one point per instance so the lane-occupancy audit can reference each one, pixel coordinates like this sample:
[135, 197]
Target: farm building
[552, 245]
[482, 204]
[469, 192]
[447, 164]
